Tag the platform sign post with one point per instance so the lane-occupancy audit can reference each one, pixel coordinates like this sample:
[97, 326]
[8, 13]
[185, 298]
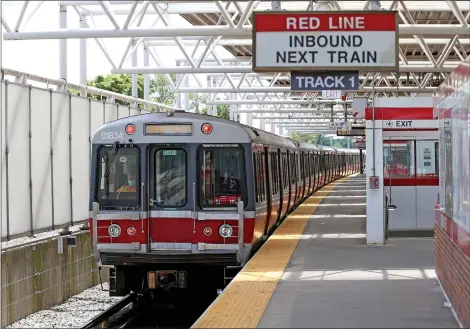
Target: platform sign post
[325, 41]
[330, 83]
[339, 125]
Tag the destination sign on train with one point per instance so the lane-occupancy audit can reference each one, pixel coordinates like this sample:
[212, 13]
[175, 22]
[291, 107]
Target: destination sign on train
[352, 41]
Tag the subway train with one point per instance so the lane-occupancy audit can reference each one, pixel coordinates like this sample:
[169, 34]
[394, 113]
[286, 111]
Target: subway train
[173, 193]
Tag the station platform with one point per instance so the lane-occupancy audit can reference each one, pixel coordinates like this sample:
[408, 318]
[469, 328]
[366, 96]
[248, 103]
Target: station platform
[316, 271]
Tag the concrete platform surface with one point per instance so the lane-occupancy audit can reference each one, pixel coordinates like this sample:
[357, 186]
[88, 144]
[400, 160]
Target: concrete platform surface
[333, 280]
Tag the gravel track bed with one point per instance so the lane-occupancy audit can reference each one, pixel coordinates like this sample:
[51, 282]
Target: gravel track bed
[74, 312]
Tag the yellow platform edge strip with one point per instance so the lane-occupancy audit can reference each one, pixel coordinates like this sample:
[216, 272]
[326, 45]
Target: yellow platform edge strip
[242, 303]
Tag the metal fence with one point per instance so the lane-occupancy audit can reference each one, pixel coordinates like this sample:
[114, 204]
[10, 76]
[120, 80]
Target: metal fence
[46, 156]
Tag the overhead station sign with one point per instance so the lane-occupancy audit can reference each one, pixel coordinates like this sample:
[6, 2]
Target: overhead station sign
[302, 41]
[305, 81]
[354, 131]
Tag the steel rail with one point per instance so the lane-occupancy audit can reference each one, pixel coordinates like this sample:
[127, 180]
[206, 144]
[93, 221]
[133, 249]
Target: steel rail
[103, 316]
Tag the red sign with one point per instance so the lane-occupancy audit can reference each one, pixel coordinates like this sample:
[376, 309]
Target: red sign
[341, 41]
[325, 21]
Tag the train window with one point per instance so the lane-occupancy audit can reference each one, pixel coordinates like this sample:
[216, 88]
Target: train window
[222, 176]
[258, 164]
[118, 177]
[275, 172]
[262, 177]
[170, 182]
[293, 166]
[255, 176]
[284, 171]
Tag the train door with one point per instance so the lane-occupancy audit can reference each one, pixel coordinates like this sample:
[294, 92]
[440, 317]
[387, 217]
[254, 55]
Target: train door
[280, 184]
[307, 173]
[295, 178]
[169, 189]
[302, 176]
[325, 168]
[328, 168]
[314, 171]
[277, 191]
[269, 189]
[318, 170]
[290, 178]
[285, 184]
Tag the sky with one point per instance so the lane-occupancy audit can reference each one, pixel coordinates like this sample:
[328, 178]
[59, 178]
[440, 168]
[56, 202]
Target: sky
[41, 57]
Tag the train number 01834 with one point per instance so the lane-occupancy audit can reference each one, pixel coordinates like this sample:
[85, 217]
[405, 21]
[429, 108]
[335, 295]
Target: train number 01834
[111, 135]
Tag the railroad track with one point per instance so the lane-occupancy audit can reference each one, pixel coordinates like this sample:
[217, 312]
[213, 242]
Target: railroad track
[102, 318]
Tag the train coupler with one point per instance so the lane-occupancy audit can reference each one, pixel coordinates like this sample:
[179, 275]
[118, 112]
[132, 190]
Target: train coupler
[167, 279]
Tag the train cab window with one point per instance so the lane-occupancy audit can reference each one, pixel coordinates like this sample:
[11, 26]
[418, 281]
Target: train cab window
[222, 176]
[118, 177]
[170, 182]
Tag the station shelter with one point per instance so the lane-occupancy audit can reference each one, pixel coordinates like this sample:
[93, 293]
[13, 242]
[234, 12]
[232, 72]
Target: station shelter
[402, 166]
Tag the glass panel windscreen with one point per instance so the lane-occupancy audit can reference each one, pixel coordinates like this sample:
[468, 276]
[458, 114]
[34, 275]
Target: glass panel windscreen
[427, 163]
[398, 159]
[170, 188]
[221, 177]
[118, 177]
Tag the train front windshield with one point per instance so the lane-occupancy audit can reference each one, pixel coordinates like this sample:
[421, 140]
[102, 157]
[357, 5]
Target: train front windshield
[220, 172]
[222, 179]
[118, 176]
[170, 184]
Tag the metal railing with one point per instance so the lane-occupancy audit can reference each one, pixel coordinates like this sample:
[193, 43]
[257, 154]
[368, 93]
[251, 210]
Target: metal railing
[386, 217]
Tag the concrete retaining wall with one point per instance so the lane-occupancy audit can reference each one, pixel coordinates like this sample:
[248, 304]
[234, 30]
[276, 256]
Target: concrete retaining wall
[37, 276]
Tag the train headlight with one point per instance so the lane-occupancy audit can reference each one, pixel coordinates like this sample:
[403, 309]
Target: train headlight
[114, 230]
[225, 231]
[207, 231]
[206, 128]
[131, 230]
[130, 129]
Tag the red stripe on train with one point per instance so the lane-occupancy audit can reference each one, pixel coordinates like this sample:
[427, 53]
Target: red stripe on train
[173, 230]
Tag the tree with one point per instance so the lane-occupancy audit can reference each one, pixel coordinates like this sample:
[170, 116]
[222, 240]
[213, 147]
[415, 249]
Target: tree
[304, 137]
[159, 87]
[198, 104]
[223, 111]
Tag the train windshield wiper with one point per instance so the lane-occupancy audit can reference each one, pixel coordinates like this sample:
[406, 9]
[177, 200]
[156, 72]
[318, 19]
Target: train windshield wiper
[110, 159]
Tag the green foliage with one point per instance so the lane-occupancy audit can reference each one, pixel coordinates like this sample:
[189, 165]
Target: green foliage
[159, 91]
[307, 138]
[321, 140]
[198, 104]
[159, 88]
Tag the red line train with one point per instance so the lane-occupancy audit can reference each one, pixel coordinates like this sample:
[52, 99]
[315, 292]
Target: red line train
[172, 193]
